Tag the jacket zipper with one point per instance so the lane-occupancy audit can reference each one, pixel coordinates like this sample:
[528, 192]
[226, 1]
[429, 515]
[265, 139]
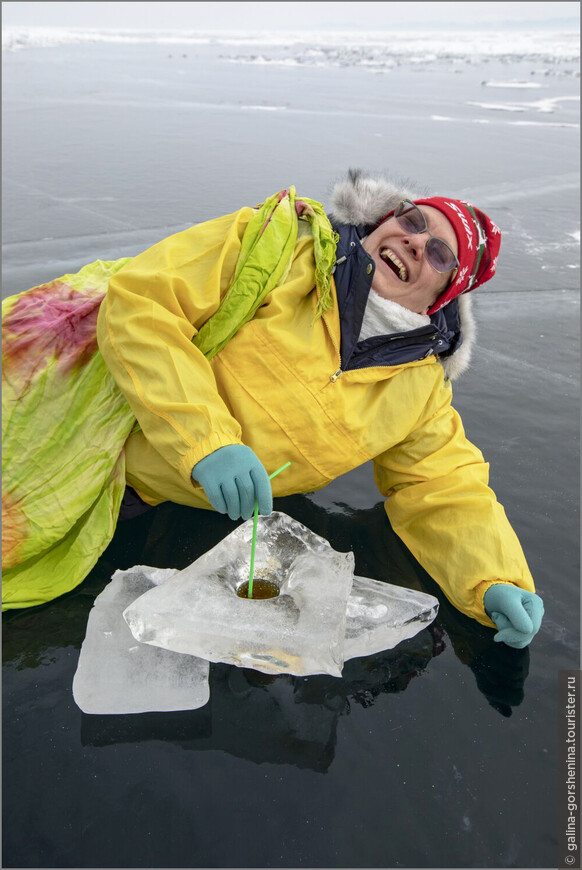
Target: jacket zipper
[336, 375]
[333, 378]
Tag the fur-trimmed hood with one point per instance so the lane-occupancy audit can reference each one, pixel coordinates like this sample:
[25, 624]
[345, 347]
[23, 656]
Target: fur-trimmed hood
[361, 199]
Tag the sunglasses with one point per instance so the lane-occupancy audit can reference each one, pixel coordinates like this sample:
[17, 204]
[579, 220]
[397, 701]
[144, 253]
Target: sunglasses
[438, 254]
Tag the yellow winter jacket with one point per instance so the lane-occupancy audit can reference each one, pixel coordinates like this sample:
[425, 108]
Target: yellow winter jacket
[274, 388]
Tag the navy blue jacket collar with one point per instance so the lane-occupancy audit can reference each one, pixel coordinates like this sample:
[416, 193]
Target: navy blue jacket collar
[353, 275]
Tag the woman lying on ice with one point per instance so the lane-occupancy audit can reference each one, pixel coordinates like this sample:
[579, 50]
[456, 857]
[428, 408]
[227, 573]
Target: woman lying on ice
[266, 335]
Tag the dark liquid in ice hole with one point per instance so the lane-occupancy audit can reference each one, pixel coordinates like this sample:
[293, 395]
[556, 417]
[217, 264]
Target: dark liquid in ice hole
[261, 589]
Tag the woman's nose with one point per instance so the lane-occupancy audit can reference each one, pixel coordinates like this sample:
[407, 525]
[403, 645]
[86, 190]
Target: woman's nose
[415, 245]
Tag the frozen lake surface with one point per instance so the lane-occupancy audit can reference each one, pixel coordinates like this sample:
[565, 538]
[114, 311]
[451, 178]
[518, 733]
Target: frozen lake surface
[417, 757]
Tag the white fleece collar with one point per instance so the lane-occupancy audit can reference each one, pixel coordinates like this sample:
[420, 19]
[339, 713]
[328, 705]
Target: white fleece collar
[385, 317]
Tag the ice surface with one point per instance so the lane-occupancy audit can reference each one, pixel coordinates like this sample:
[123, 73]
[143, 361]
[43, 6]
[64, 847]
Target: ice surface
[380, 615]
[299, 632]
[115, 674]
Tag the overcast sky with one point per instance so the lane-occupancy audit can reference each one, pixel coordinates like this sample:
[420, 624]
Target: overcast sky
[285, 15]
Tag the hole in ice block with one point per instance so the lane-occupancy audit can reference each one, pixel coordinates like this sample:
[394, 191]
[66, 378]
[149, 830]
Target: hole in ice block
[299, 631]
[261, 589]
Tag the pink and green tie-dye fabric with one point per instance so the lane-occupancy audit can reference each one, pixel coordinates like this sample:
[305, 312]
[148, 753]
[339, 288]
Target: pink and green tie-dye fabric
[64, 424]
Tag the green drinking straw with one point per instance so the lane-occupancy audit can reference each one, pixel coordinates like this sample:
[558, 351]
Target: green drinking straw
[254, 542]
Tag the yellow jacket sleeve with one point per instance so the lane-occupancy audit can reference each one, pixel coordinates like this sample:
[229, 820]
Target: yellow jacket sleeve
[441, 506]
[153, 308]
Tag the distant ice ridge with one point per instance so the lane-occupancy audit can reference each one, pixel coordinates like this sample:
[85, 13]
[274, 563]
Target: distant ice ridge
[379, 53]
[548, 105]
[377, 49]
[266, 108]
[512, 84]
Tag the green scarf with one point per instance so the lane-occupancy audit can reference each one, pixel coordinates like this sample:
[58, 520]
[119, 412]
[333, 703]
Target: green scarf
[264, 262]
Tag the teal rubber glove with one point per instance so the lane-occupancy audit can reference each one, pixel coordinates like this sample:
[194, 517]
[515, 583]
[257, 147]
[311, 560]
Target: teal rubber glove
[233, 478]
[516, 613]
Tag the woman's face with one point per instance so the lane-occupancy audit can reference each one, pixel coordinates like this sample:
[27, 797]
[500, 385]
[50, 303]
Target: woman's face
[411, 280]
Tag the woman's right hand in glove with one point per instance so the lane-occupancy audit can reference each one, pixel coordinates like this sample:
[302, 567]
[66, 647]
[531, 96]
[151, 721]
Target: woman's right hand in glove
[234, 478]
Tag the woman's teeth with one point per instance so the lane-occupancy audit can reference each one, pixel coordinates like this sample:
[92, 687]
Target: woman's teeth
[390, 257]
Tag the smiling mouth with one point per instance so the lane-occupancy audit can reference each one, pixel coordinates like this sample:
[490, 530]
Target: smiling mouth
[392, 261]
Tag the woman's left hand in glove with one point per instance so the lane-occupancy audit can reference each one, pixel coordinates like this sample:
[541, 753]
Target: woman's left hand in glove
[516, 613]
